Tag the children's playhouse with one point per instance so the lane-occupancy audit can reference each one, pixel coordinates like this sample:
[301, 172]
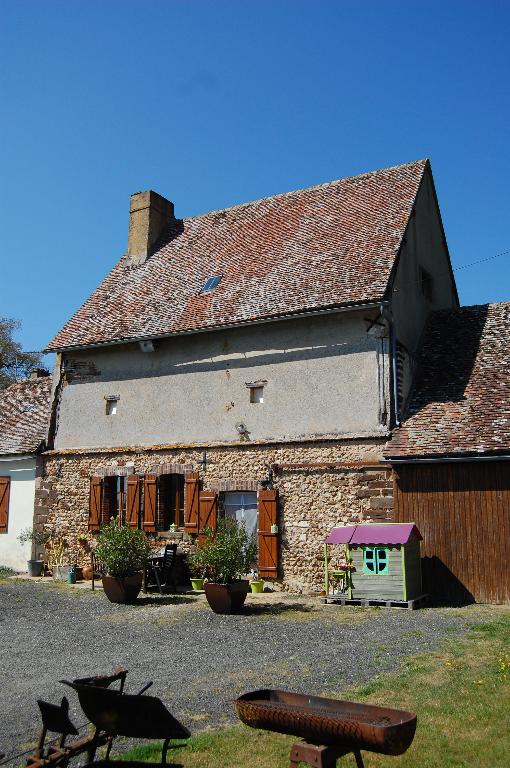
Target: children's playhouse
[374, 564]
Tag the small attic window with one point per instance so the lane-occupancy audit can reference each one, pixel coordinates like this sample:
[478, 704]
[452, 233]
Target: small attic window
[210, 284]
[111, 404]
[256, 391]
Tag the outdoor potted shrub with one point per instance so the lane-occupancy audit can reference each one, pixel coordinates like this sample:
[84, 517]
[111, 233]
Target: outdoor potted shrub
[226, 555]
[34, 567]
[124, 552]
[58, 563]
[197, 569]
[256, 584]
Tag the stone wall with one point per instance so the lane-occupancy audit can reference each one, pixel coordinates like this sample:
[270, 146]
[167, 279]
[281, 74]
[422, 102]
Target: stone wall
[313, 499]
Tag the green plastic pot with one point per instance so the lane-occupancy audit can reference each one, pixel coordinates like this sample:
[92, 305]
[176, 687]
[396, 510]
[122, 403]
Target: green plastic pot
[197, 584]
[257, 585]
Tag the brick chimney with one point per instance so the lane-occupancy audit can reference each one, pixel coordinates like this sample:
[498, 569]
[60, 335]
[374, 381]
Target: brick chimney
[149, 215]
[38, 373]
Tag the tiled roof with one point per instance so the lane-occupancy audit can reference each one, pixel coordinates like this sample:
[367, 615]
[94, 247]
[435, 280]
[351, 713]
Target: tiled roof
[24, 415]
[327, 246]
[461, 403]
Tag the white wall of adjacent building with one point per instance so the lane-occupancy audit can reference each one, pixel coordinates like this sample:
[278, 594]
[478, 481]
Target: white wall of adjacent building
[21, 471]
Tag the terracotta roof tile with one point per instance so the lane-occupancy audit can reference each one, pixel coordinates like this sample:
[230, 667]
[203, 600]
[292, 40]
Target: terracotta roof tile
[24, 415]
[327, 246]
[461, 403]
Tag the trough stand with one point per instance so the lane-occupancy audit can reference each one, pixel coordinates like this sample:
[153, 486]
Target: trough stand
[320, 755]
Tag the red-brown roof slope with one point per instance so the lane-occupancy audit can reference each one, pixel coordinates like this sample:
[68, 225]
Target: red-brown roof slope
[24, 415]
[461, 404]
[327, 246]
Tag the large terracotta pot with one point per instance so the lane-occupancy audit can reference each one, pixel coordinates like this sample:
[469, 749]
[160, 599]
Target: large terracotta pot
[122, 589]
[226, 598]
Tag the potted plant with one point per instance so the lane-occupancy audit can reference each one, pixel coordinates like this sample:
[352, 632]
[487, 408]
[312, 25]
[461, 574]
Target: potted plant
[124, 552]
[58, 562]
[256, 583]
[197, 569]
[227, 554]
[37, 538]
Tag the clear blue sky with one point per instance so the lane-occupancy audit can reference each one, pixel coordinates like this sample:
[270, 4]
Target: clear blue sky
[219, 102]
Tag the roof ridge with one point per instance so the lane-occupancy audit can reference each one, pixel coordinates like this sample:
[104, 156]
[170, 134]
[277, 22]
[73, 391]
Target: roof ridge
[467, 307]
[290, 193]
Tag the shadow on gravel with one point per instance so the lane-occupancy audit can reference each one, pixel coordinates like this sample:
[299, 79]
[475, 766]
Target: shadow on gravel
[164, 600]
[276, 608]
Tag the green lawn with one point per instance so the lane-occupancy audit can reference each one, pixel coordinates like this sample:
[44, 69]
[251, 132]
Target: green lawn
[460, 693]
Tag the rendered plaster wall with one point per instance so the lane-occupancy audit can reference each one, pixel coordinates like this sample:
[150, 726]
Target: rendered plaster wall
[312, 500]
[21, 511]
[325, 376]
[425, 248]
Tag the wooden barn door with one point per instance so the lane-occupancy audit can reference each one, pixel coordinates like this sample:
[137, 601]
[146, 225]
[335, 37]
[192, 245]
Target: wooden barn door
[463, 513]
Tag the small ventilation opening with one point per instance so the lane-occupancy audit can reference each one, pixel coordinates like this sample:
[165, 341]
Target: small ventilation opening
[256, 394]
[111, 404]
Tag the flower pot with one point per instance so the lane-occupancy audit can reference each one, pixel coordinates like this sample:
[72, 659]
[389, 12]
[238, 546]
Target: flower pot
[86, 572]
[226, 598]
[35, 567]
[197, 584]
[257, 585]
[122, 589]
[61, 572]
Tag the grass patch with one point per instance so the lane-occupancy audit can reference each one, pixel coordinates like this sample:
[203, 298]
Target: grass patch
[6, 572]
[460, 693]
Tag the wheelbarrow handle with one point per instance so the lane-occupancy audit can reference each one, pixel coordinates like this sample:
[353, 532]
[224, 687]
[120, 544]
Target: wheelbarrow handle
[145, 687]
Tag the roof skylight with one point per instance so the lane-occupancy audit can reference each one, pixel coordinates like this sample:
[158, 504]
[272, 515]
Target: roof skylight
[210, 284]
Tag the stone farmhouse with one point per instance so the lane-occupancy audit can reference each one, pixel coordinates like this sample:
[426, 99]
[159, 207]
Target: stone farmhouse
[24, 416]
[249, 362]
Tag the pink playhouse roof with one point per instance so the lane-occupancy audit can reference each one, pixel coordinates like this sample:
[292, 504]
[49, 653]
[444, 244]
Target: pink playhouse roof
[394, 533]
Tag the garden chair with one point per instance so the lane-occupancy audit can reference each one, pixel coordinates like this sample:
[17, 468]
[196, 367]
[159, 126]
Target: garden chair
[159, 571]
[98, 568]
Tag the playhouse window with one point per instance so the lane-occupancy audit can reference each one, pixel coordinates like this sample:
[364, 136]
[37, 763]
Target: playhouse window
[375, 560]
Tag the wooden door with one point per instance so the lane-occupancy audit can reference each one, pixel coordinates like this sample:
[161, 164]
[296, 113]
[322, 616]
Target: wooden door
[463, 513]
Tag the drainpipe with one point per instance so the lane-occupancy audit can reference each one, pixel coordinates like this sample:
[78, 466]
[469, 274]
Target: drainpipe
[386, 312]
[394, 369]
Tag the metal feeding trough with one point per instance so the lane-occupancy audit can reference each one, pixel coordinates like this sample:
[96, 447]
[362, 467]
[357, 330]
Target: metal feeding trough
[330, 728]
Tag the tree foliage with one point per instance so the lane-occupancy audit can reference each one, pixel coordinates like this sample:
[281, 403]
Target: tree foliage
[227, 554]
[123, 550]
[15, 364]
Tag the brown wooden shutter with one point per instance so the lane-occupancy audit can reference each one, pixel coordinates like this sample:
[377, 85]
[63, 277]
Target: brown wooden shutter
[95, 503]
[149, 503]
[268, 542]
[5, 488]
[191, 493]
[207, 512]
[133, 501]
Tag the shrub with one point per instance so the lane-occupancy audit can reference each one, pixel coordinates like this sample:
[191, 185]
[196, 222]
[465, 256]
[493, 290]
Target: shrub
[36, 537]
[123, 550]
[226, 554]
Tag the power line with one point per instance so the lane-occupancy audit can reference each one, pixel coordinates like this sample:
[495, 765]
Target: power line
[481, 261]
[454, 269]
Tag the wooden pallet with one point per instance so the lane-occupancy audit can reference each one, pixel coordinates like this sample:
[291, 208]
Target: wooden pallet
[411, 605]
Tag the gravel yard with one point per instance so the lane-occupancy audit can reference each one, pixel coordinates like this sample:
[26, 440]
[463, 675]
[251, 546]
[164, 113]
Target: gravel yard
[198, 661]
